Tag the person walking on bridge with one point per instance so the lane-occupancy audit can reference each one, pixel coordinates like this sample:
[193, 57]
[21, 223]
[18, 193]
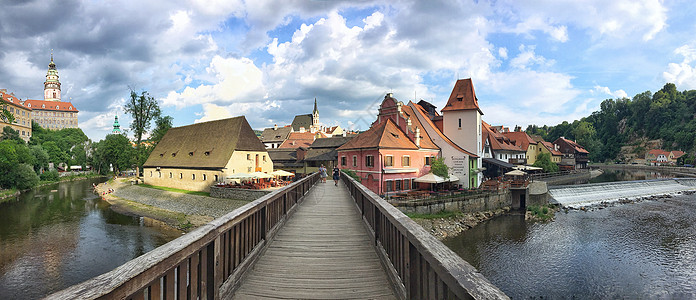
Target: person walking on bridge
[336, 175]
[322, 173]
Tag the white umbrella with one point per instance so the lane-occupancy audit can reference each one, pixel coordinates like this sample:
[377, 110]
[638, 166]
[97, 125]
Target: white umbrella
[261, 175]
[282, 173]
[239, 175]
[453, 178]
[430, 178]
[516, 173]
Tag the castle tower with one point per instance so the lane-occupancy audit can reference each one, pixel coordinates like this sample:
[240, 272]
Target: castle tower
[117, 127]
[52, 84]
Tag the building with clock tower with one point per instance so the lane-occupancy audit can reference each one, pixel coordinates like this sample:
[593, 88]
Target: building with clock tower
[51, 112]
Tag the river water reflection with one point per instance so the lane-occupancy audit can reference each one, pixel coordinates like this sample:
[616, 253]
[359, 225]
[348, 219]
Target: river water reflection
[62, 234]
[632, 251]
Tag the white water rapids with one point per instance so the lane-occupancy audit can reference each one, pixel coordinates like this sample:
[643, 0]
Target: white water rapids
[588, 194]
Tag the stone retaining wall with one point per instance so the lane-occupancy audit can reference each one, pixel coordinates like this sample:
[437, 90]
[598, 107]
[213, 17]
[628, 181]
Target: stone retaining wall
[567, 179]
[466, 204]
[237, 194]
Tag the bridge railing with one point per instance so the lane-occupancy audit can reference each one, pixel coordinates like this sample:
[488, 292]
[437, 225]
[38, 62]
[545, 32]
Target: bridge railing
[206, 263]
[419, 266]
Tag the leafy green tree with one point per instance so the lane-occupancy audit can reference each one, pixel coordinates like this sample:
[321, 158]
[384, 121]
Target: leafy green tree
[143, 109]
[116, 151]
[41, 157]
[10, 134]
[439, 168]
[25, 177]
[5, 115]
[162, 125]
[544, 161]
[55, 154]
[8, 163]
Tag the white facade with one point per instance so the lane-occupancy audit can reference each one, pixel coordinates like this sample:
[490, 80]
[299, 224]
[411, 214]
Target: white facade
[463, 127]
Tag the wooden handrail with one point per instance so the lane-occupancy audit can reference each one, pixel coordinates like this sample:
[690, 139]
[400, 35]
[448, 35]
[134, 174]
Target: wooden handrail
[419, 266]
[206, 263]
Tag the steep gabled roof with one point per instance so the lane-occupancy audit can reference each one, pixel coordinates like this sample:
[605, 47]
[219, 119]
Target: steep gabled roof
[383, 135]
[574, 145]
[520, 139]
[463, 97]
[424, 113]
[549, 146]
[498, 141]
[10, 99]
[425, 142]
[275, 134]
[331, 142]
[677, 154]
[204, 145]
[302, 121]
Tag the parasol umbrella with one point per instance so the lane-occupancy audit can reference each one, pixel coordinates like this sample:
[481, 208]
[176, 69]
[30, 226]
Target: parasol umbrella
[515, 173]
[282, 173]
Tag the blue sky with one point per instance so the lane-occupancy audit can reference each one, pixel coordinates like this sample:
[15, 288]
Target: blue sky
[532, 62]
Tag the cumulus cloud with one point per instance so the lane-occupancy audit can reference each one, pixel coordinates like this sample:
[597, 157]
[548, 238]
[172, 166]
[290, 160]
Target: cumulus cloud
[606, 91]
[527, 58]
[682, 74]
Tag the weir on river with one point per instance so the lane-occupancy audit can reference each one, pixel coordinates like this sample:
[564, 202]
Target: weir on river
[587, 194]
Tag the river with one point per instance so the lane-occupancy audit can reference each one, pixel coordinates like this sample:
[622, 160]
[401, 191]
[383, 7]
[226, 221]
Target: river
[632, 251]
[62, 234]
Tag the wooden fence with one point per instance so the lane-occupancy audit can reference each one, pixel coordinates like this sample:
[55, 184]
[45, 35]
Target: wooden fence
[419, 266]
[206, 263]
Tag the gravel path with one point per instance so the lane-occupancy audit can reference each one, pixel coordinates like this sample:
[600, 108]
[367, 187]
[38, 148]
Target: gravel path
[177, 202]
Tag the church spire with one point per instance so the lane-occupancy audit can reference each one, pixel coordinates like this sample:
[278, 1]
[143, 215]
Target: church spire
[117, 127]
[315, 115]
[315, 111]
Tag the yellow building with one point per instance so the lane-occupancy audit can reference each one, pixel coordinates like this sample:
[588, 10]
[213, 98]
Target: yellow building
[548, 147]
[194, 157]
[21, 113]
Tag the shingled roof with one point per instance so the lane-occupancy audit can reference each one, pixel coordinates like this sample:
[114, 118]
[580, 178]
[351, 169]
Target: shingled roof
[207, 145]
[463, 97]
[302, 121]
[273, 134]
[520, 139]
[383, 135]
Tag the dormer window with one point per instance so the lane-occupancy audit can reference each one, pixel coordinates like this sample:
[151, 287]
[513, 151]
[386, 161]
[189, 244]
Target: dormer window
[57, 107]
[161, 154]
[190, 153]
[207, 153]
[43, 105]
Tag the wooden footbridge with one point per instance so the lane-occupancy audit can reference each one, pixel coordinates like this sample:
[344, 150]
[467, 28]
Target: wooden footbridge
[310, 240]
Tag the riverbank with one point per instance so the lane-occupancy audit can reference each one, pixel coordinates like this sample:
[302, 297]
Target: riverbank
[179, 210]
[456, 223]
[8, 194]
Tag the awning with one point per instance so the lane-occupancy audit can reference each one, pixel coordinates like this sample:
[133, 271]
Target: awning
[453, 178]
[498, 163]
[399, 170]
[430, 178]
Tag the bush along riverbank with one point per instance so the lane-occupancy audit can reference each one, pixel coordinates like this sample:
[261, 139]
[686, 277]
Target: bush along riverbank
[447, 224]
[541, 213]
[49, 178]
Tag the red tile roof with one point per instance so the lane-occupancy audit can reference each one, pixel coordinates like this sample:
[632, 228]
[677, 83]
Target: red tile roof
[520, 139]
[383, 135]
[463, 97]
[425, 141]
[301, 139]
[678, 154]
[50, 105]
[575, 145]
[12, 100]
[498, 140]
[549, 146]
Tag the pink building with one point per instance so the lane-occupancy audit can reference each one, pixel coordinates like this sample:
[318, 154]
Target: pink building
[392, 153]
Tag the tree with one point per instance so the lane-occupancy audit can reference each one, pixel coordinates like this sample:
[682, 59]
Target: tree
[162, 125]
[544, 161]
[439, 168]
[143, 109]
[10, 134]
[6, 116]
[114, 150]
[25, 177]
[41, 156]
[8, 163]
[55, 154]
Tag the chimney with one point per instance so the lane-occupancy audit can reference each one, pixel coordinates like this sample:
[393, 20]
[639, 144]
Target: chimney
[312, 129]
[389, 95]
[302, 129]
[275, 127]
[418, 138]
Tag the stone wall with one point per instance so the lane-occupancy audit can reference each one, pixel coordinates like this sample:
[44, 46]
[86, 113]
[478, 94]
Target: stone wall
[466, 204]
[538, 193]
[567, 179]
[237, 194]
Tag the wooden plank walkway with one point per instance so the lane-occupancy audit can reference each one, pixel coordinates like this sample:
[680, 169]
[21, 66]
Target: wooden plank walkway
[322, 252]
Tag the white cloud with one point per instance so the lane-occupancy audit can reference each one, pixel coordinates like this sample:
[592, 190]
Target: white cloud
[527, 58]
[682, 74]
[503, 53]
[236, 80]
[605, 90]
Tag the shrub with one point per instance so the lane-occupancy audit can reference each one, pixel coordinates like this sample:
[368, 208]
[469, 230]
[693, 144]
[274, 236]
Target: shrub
[50, 175]
[26, 177]
[352, 173]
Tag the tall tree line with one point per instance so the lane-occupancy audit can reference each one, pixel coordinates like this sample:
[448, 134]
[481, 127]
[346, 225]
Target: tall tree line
[668, 114]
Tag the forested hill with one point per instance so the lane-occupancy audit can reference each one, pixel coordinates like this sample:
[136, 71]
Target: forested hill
[668, 115]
